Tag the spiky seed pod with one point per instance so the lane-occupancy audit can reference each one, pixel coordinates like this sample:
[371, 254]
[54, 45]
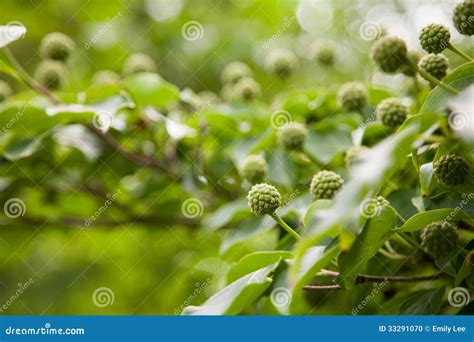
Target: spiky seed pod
[105, 77]
[51, 74]
[57, 46]
[254, 168]
[352, 96]
[324, 53]
[138, 62]
[235, 71]
[434, 38]
[5, 90]
[281, 62]
[462, 17]
[352, 153]
[292, 136]
[325, 184]
[263, 199]
[440, 239]
[392, 112]
[246, 89]
[435, 65]
[389, 53]
[451, 170]
[414, 57]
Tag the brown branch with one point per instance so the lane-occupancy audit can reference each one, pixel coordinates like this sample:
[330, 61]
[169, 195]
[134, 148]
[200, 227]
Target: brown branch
[366, 278]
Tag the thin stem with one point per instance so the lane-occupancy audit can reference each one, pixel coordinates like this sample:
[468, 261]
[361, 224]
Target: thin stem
[313, 159]
[459, 52]
[404, 241]
[286, 227]
[25, 77]
[389, 247]
[414, 159]
[400, 217]
[391, 255]
[433, 79]
[366, 278]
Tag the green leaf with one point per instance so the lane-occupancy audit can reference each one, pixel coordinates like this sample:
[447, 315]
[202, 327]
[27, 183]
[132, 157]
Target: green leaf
[424, 302]
[23, 148]
[421, 220]
[463, 272]
[11, 33]
[376, 231]
[282, 169]
[225, 213]
[254, 261]
[314, 210]
[325, 141]
[438, 98]
[235, 297]
[149, 89]
[246, 231]
[426, 174]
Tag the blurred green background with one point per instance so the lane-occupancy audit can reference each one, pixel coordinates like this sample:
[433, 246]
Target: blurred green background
[156, 268]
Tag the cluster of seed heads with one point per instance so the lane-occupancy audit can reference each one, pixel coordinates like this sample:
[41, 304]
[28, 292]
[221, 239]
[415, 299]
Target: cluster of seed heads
[451, 170]
[392, 112]
[353, 96]
[238, 84]
[440, 239]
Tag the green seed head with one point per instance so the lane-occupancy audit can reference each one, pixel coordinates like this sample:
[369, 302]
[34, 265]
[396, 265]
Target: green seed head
[435, 38]
[324, 53]
[51, 74]
[451, 170]
[138, 62]
[234, 72]
[352, 153]
[440, 239]
[5, 90]
[352, 96]
[281, 62]
[246, 89]
[392, 112]
[381, 202]
[463, 17]
[263, 199]
[292, 136]
[414, 57]
[389, 53]
[325, 184]
[56, 46]
[254, 169]
[435, 65]
[105, 77]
